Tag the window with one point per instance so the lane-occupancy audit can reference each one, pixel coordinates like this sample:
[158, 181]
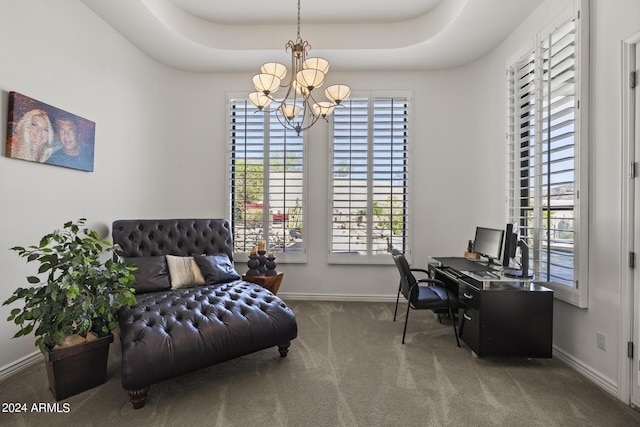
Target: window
[369, 179]
[547, 156]
[266, 176]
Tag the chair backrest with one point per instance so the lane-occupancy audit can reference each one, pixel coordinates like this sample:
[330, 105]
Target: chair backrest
[407, 280]
[180, 237]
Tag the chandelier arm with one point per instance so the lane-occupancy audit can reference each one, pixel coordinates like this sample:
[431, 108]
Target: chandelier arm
[283, 120]
[313, 122]
[288, 124]
[309, 106]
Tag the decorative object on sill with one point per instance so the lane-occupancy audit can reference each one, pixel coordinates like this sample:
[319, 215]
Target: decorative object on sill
[271, 265]
[299, 110]
[253, 263]
[263, 262]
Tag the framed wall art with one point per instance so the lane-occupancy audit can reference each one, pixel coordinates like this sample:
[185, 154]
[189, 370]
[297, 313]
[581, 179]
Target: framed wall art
[40, 133]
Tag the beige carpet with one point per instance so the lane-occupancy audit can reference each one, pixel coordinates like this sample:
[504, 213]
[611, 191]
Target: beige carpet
[346, 368]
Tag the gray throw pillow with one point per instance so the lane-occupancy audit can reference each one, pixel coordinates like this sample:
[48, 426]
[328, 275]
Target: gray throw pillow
[216, 268]
[152, 274]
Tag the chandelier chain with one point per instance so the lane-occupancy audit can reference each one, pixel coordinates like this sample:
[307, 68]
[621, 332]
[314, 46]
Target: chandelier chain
[298, 19]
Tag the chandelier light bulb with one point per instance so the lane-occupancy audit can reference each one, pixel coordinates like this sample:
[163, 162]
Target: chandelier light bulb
[289, 111]
[260, 100]
[274, 68]
[266, 83]
[323, 108]
[300, 89]
[310, 78]
[338, 93]
[316, 63]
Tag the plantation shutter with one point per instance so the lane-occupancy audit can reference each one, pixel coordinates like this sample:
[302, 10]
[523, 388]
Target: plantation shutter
[390, 172]
[266, 182]
[285, 188]
[544, 116]
[350, 177]
[369, 176]
[247, 174]
[553, 251]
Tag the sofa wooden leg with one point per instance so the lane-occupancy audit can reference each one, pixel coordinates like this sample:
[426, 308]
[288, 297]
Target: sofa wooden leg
[138, 397]
[284, 348]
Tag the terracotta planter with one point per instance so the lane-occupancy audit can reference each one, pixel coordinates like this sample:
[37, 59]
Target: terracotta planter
[78, 368]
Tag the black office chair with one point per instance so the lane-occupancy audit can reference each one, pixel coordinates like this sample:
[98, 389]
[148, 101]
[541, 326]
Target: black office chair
[433, 296]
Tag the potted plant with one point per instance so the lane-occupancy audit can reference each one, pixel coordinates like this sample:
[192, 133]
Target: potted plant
[73, 311]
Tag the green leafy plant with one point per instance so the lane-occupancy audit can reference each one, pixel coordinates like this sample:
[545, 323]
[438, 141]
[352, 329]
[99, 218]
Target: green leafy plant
[81, 293]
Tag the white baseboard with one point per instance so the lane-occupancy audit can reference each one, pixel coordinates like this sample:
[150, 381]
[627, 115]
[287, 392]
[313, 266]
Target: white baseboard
[594, 376]
[336, 297]
[20, 364]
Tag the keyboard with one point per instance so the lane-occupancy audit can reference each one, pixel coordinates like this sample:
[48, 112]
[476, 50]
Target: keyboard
[452, 272]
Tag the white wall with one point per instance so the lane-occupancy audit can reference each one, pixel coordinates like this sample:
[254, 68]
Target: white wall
[60, 53]
[161, 152]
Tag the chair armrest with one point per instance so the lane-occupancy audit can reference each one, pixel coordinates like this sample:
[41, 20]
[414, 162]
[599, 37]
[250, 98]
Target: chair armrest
[422, 270]
[433, 282]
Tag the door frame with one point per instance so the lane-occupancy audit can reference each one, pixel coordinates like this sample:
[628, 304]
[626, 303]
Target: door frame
[629, 389]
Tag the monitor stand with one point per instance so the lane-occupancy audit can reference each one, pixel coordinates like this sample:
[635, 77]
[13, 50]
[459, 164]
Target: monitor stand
[523, 273]
[488, 263]
[516, 274]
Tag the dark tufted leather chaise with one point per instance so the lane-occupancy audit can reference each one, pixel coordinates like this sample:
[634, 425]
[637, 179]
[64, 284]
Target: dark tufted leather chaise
[175, 331]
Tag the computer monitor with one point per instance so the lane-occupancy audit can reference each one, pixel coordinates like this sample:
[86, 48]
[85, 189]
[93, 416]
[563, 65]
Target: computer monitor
[510, 244]
[488, 243]
[520, 266]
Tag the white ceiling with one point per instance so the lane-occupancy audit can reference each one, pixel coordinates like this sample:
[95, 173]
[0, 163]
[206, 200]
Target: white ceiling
[203, 36]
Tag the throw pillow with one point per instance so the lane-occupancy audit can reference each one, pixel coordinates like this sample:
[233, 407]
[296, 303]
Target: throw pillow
[216, 268]
[184, 272]
[151, 275]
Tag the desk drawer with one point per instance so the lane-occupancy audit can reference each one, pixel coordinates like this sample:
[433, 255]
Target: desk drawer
[468, 295]
[469, 327]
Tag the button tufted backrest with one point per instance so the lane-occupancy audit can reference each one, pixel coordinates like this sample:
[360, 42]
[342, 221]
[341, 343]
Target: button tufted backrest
[180, 237]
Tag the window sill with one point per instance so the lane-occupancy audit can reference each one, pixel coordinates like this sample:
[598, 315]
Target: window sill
[356, 259]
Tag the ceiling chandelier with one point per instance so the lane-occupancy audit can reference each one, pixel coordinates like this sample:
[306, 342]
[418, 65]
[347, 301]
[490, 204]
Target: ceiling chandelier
[298, 110]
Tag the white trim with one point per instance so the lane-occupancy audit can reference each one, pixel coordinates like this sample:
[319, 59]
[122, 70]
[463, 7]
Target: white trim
[607, 384]
[286, 296]
[377, 259]
[20, 364]
[627, 292]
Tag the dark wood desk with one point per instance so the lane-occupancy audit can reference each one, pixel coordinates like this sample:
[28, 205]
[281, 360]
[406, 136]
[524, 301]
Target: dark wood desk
[506, 318]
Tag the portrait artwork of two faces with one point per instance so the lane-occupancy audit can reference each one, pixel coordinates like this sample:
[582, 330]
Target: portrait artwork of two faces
[41, 133]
